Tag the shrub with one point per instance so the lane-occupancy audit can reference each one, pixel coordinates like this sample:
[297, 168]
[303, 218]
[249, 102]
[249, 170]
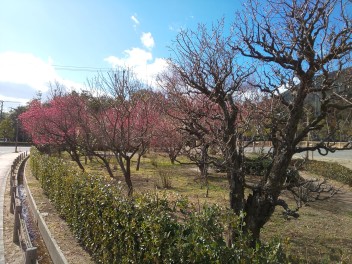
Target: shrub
[154, 160]
[164, 181]
[143, 229]
[257, 165]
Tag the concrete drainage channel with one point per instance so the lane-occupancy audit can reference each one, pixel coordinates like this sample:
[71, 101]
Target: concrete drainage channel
[42, 255]
[31, 227]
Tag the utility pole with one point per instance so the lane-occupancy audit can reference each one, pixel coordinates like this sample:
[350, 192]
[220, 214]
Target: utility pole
[16, 143]
[1, 108]
[308, 138]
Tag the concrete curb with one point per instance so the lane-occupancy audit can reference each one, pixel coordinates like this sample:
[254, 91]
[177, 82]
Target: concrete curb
[2, 199]
[54, 250]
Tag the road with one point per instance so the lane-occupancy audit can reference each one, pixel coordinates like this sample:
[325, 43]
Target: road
[6, 150]
[342, 154]
[343, 157]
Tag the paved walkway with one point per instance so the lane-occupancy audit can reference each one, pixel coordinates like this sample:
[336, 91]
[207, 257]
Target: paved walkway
[5, 166]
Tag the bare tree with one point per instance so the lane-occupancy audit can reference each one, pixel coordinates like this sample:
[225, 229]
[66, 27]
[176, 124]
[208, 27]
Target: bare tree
[194, 115]
[303, 49]
[121, 116]
[206, 65]
[296, 49]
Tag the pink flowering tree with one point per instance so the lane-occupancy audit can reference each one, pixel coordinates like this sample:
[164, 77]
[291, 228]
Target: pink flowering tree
[124, 117]
[168, 137]
[52, 125]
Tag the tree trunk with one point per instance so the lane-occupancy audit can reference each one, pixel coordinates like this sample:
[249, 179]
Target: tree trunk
[127, 175]
[260, 205]
[237, 201]
[138, 161]
[236, 183]
[172, 156]
[126, 170]
[203, 167]
[258, 210]
[107, 166]
[75, 157]
[172, 159]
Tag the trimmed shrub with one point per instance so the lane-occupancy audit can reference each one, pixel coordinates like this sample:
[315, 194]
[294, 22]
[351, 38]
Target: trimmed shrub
[143, 229]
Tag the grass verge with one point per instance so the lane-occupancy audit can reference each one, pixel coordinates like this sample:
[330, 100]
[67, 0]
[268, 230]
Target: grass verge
[329, 170]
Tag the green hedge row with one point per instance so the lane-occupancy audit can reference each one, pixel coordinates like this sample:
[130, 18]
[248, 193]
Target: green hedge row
[142, 229]
[330, 170]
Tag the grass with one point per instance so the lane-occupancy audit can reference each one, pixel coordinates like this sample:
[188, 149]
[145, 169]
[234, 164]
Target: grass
[318, 235]
[183, 179]
[330, 170]
[322, 233]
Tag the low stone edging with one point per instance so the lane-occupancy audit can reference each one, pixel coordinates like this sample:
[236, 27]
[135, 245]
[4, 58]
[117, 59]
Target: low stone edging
[54, 250]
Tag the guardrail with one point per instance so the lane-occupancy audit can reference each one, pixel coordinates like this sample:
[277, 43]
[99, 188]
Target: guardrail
[20, 231]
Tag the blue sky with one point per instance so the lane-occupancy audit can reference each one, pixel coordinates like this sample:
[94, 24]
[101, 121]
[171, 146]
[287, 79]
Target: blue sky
[38, 37]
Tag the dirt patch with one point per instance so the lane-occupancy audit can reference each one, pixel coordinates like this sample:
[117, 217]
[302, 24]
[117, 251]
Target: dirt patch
[341, 200]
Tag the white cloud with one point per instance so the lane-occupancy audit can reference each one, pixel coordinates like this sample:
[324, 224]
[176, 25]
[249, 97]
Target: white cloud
[134, 57]
[147, 40]
[28, 74]
[142, 63]
[135, 20]
[25, 68]
[157, 67]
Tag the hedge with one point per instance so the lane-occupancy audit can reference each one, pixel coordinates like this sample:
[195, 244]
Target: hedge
[145, 228]
[329, 170]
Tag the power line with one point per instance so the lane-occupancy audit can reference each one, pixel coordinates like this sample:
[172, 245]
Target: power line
[3, 101]
[2, 106]
[79, 68]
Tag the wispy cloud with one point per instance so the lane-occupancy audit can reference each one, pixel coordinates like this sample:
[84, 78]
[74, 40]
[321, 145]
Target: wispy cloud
[135, 21]
[176, 27]
[147, 40]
